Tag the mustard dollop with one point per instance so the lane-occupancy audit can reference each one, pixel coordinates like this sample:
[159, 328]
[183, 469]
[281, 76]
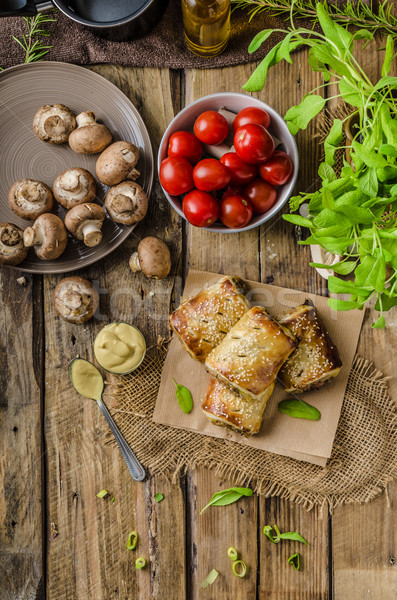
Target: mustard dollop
[119, 347]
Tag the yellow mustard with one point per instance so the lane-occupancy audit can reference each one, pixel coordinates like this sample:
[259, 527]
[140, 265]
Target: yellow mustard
[86, 379]
[119, 347]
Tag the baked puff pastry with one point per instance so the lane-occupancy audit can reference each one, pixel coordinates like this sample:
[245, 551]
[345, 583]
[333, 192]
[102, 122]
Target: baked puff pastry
[250, 356]
[223, 407]
[202, 322]
[316, 358]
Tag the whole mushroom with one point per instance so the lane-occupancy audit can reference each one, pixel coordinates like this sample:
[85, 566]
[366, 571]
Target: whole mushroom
[126, 203]
[152, 258]
[54, 123]
[75, 299]
[12, 249]
[47, 235]
[84, 222]
[29, 198]
[74, 186]
[90, 137]
[117, 163]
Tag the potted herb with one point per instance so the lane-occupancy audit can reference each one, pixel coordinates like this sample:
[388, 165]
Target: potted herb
[354, 213]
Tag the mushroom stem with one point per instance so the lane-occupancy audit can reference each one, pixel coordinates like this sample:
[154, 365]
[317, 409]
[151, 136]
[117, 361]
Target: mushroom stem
[86, 118]
[32, 236]
[92, 234]
[134, 263]
[71, 182]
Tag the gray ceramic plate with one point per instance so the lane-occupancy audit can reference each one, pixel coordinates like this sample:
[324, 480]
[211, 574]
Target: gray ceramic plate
[23, 89]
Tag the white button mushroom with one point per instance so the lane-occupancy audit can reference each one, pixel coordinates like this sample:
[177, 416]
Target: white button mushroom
[29, 198]
[74, 186]
[75, 299]
[53, 123]
[152, 258]
[12, 249]
[47, 236]
[90, 137]
[84, 222]
[126, 203]
[117, 163]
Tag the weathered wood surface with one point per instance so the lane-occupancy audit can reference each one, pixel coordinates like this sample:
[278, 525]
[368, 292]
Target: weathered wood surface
[351, 554]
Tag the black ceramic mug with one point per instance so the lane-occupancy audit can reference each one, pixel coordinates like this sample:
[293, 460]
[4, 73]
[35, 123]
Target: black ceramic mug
[116, 20]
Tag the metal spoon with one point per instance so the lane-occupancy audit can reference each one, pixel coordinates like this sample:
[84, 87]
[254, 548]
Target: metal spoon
[134, 466]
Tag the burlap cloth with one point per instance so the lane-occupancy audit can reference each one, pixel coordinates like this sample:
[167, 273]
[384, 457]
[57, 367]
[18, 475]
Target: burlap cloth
[164, 46]
[363, 460]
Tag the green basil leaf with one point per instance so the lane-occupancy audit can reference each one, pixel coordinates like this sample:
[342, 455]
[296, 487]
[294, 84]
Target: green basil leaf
[184, 397]
[339, 286]
[363, 270]
[258, 40]
[388, 150]
[327, 198]
[380, 323]
[356, 214]
[335, 245]
[330, 218]
[351, 93]
[387, 173]
[326, 172]
[389, 125]
[369, 157]
[332, 141]
[368, 182]
[315, 203]
[387, 61]
[352, 198]
[342, 268]
[377, 275]
[228, 496]
[294, 560]
[298, 117]
[388, 302]
[386, 81]
[292, 535]
[341, 37]
[298, 220]
[337, 304]
[258, 78]
[299, 409]
[318, 66]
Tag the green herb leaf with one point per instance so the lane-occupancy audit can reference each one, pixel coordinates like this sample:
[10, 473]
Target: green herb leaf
[339, 286]
[369, 157]
[299, 409]
[342, 268]
[209, 580]
[298, 220]
[377, 275]
[294, 560]
[351, 93]
[159, 497]
[132, 540]
[298, 117]
[368, 182]
[385, 302]
[326, 172]
[184, 397]
[228, 496]
[258, 40]
[258, 78]
[380, 323]
[337, 304]
[332, 141]
[388, 150]
[295, 537]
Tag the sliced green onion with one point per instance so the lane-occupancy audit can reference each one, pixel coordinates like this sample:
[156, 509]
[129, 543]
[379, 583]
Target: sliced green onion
[239, 568]
[140, 563]
[112, 499]
[232, 553]
[209, 580]
[294, 560]
[102, 494]
[159, 497]
[132, 540]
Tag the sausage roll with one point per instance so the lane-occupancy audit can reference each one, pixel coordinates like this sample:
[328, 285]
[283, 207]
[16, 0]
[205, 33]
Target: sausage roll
[316, 358]
[223, 407]
[250, 356]
[202, 322]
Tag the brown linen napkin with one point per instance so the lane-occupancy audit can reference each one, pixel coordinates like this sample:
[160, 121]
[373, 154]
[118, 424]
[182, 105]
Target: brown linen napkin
[164, 46]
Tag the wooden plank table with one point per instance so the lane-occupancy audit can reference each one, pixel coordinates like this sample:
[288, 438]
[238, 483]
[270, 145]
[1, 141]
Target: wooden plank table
[53, 459]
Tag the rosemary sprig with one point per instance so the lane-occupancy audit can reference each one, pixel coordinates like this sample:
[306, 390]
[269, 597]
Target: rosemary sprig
[33, 41]
[358, 14]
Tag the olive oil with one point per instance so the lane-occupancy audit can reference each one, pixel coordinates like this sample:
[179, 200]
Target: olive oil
[207, 25]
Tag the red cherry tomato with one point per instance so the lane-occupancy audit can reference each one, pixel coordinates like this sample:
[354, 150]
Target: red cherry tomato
[232, 190]
[240, 172]
[251, 114]
[176, 175]
[200, 209]
[210, 175]
[278, 169]
[235, 211]
[253, 143]
[211, 128]
[261, 194]
[186, 145]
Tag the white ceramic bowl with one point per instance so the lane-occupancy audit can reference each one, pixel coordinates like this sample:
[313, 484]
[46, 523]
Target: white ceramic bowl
[234, 102]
